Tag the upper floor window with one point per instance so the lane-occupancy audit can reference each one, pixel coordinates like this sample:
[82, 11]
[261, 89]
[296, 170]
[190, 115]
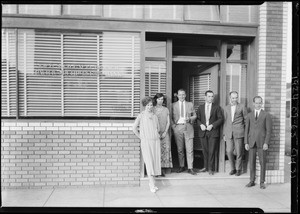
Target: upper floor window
[202, 12]
[87, 10]
[214, 13]
[40, 9]
[9, 8]
[164, 12]
[123, 11]
[240, 13]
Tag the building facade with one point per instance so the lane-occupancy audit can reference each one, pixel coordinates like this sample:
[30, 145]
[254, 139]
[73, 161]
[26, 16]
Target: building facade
[73, 76]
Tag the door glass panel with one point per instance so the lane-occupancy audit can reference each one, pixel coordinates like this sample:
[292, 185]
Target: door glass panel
[236, 80]
[156, 49]
[237, 51]
[195, 46]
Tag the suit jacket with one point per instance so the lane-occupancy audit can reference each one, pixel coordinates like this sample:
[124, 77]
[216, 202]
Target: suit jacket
[258, 131]
[190, 112]
[216, 119]
[235, 128]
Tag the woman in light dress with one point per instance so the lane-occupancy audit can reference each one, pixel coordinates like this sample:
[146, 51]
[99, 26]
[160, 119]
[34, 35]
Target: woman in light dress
[146, 128]
[162, 114]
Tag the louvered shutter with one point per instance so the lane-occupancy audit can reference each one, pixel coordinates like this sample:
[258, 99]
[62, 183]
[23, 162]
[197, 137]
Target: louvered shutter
[120, 74]
[8, 73]
[198, 85]
[155, 77]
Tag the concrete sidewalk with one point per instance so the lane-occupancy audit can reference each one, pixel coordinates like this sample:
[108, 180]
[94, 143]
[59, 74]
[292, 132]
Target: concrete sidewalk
[214, 193]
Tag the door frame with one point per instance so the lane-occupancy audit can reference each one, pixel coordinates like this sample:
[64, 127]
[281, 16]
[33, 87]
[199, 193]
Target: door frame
[222, 60]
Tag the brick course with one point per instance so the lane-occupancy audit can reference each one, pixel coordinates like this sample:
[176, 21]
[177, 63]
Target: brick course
[51, 153]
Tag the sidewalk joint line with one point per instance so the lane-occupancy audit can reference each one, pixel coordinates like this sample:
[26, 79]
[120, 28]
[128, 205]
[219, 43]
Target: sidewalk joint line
[48, 197]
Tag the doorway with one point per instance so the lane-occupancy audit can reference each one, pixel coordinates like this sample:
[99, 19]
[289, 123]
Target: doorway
[195, 78]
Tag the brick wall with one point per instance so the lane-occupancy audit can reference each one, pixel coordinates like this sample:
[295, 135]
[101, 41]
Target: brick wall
[37, 153]
[272, 81]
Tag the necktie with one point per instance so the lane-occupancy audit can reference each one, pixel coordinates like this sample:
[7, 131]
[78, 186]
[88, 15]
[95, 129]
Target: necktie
[256, 115]
[181, 113]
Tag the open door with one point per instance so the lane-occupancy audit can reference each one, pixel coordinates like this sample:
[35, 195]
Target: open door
[195, 78]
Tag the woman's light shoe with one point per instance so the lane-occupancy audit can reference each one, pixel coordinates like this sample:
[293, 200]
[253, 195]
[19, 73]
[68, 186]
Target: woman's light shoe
[152, 190]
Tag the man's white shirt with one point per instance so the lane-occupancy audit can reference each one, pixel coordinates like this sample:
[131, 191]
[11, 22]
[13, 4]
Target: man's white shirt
[181, 119]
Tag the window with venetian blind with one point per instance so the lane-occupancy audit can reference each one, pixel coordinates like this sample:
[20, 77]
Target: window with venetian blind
[8, 73]
[155, 77]
[78, 74]
[155, 68]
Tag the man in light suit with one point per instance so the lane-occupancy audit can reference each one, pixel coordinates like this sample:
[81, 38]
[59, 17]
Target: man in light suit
[233, 132]
[209, 119]
[257, 137]
[183, 117]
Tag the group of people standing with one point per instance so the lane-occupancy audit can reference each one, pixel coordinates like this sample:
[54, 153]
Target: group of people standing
[241, 129]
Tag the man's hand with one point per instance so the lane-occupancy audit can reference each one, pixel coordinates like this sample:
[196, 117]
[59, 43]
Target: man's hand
[163, 135]
[224, 138]
[209, 127]
[247, 147]
[187, 119]
[203, 127]
[265, 146]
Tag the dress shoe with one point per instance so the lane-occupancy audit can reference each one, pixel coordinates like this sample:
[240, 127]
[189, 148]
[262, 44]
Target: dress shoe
[238, 173]
[192, 172]
[181, 169]
[250, 184]
[232, 172]
[211, 172]
[203, 170]
[262, 186]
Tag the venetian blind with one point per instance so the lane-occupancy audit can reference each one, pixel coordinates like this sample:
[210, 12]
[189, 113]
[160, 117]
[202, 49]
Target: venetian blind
[155, 77]
[79, 74]
[8, 73]
[120, 74]
[198, 85]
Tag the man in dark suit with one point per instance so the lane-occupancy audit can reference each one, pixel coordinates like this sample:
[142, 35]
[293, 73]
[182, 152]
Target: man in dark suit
[183, 117]
[233, 132]
[209, 120]
[257, 137]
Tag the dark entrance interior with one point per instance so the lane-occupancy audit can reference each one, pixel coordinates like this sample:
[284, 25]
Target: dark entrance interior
[195, 78]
